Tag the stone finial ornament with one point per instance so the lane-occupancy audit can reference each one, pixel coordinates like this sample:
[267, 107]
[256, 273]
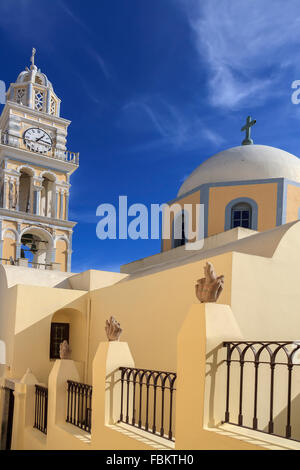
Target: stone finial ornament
[113, 329]
[64, 350]
[209, 288]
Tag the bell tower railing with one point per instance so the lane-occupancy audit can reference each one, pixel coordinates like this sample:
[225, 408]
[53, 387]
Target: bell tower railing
[18, 142]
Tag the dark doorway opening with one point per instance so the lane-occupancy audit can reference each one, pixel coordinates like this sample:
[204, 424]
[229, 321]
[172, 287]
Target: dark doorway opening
[7, 419]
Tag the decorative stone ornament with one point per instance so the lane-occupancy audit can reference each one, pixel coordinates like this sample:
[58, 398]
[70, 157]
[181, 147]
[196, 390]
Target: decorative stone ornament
[64, 350]
[209, 288]
[113, 329]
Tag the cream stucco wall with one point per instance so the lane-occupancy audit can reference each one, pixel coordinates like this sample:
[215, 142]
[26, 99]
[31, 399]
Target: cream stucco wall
[261, 286]
[35, 308]
[151, 309]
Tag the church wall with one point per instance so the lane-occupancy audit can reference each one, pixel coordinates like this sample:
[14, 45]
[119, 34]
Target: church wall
[61, 254]
[292, 202]
[151, 310]
[9, 224]
[7, 318]
[15, 165]
[47, 122]
[273, 312]
[193, 198]
[265, 195]
[9, 245]
[33, 314]
[77, 321]
[9, 239]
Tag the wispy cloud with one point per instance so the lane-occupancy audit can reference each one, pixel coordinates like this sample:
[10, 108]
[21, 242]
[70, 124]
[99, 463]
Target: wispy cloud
[212, 136]
[100, 61]
[87, 86]
[73, 16]
[90, 49]
[244, 45]
[169, 125]
[84, 217]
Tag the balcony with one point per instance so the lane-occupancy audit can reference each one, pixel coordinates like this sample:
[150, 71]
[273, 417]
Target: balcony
[18, 142]
[262, 391]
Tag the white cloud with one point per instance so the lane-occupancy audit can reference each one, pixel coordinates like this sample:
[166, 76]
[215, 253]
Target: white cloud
[93, 53]
[240, 41]
[174, 127]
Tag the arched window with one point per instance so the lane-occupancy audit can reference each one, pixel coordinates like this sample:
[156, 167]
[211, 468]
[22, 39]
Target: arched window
[241, 212]
[37, 247]
[179, 237]
[241, 216]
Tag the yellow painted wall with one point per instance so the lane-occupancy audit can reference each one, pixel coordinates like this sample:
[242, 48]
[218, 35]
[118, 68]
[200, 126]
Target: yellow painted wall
[9, 245]
[272, 312]
[151, 310]
[7, 319]
[262, 291]
[265, 196]
[34, 312]
[61, 254]
[292, 202]
[192, 383]
[191, 199]
[9, 224]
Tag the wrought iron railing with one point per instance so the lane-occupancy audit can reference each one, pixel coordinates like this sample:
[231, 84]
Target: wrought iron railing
[41, 408]
[260, 393]
[18, 142]
[79, 408]
[147, 400]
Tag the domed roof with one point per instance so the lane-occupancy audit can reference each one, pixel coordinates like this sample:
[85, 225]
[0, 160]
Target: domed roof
[34, 74]
[39, 77]
[246, 162]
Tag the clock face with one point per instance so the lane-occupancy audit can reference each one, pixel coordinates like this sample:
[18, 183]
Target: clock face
[37, 140]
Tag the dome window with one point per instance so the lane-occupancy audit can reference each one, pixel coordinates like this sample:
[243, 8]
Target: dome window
[241, 216]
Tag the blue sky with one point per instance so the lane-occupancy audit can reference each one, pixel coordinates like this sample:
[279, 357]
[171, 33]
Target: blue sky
[153, 88]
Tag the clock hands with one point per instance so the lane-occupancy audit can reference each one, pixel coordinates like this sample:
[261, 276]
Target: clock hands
[42, 141]
[40, 138]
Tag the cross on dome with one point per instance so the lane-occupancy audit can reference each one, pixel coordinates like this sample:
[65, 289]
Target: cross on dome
[247, 128]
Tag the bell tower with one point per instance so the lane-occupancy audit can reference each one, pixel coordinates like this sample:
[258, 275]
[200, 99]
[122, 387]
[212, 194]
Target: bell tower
[35, 170]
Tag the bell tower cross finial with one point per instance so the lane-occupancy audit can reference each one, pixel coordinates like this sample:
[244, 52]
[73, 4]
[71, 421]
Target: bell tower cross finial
[32, 57]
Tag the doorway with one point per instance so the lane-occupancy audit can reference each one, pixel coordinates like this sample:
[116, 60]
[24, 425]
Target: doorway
[7, 419]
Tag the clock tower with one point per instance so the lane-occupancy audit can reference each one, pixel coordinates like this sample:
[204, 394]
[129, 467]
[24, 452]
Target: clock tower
[35, 170]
